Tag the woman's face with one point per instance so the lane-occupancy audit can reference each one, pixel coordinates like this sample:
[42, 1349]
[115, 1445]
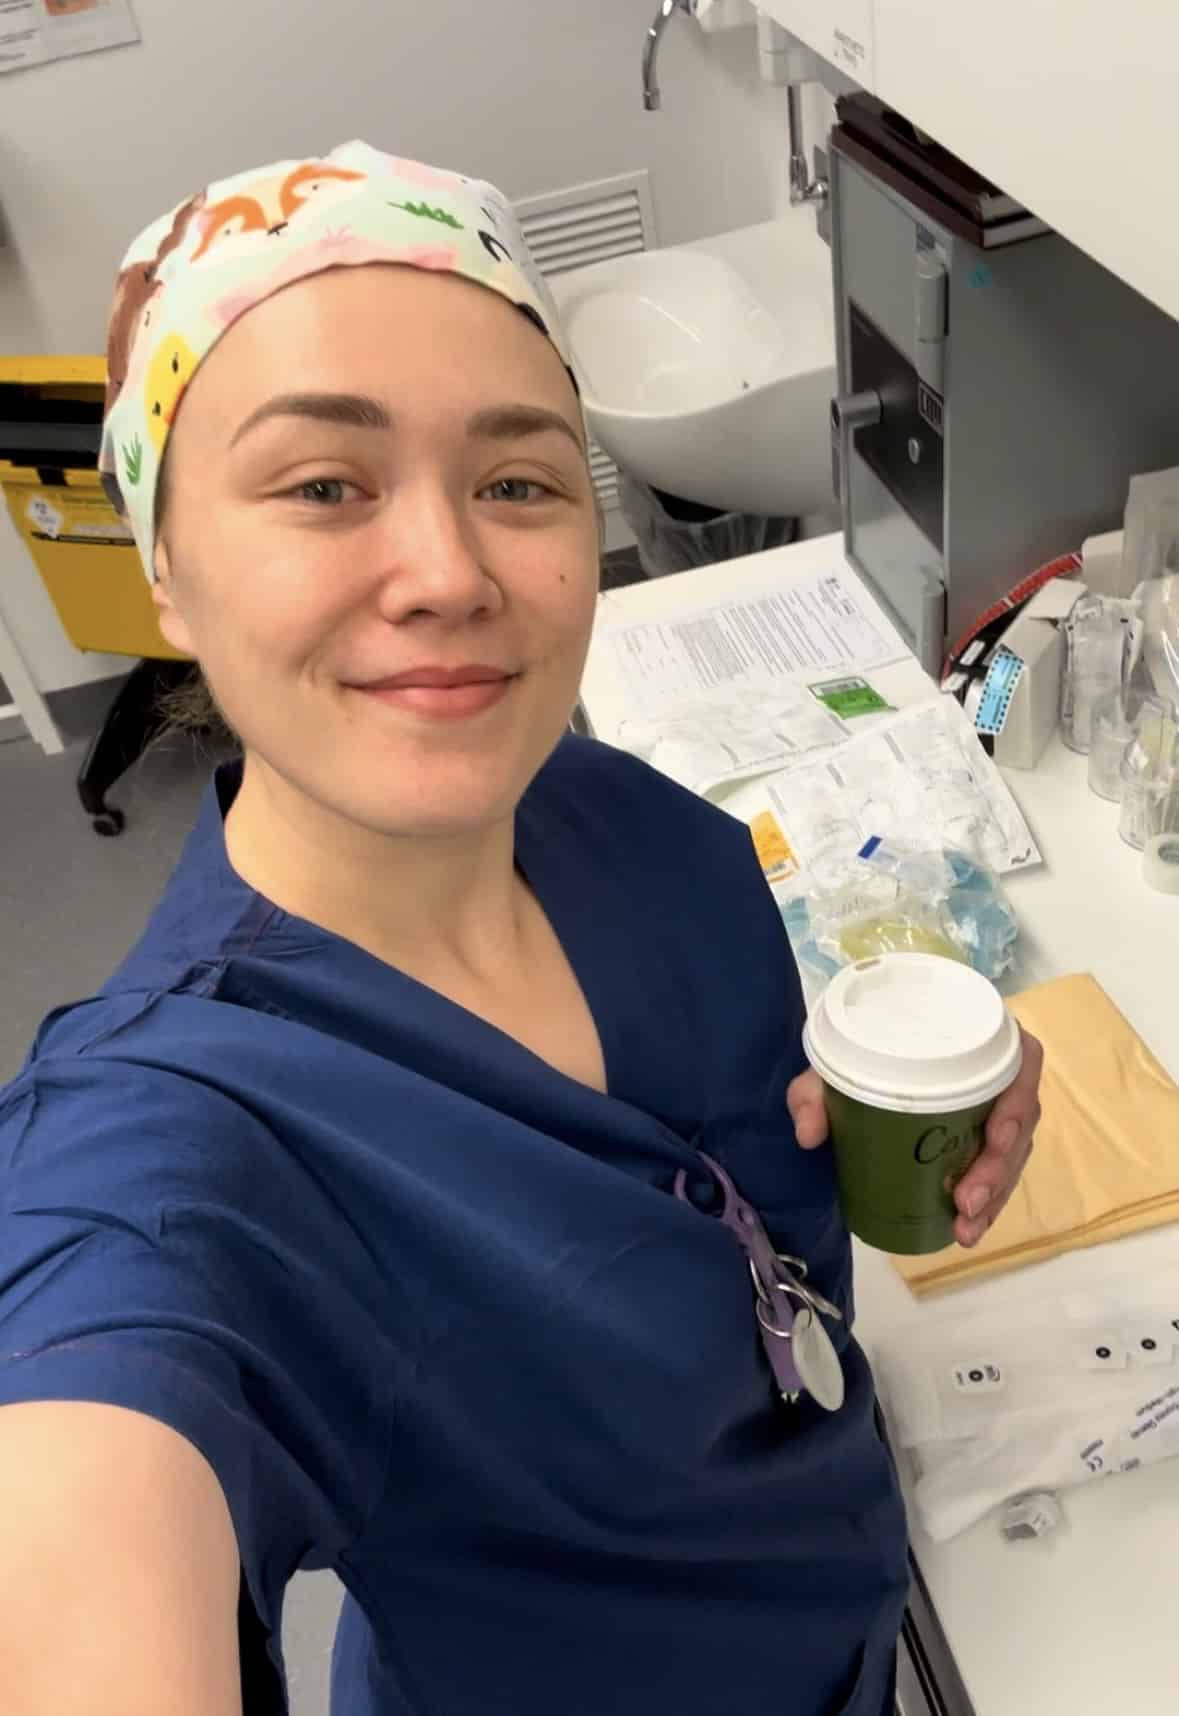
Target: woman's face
[379, 475]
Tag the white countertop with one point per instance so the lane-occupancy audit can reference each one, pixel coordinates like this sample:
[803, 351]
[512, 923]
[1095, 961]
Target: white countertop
[1082, 1621]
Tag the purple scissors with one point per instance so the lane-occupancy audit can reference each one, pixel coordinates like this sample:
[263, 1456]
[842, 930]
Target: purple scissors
[800, 1351]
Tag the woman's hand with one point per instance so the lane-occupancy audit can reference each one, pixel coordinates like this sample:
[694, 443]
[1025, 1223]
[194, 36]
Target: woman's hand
[981, 1193]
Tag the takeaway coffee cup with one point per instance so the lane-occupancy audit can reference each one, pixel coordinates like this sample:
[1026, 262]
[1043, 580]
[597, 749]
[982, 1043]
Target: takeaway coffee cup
[913, 1051]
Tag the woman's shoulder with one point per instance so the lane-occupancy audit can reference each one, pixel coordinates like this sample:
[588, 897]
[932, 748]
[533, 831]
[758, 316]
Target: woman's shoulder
[108, 1116]
[630, 815]
[590, 780]
[105, 1066]
[613, 813]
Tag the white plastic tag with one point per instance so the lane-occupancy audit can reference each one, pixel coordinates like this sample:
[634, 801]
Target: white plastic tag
[1106, 1352]
[1153, 1344]
[978, 1378]
[816, 1360]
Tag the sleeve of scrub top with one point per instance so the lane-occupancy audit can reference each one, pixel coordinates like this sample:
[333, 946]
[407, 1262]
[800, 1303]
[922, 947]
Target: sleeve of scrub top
[146, 1261]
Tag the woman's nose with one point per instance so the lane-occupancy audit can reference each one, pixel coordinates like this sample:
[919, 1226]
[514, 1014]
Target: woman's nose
[432, 560]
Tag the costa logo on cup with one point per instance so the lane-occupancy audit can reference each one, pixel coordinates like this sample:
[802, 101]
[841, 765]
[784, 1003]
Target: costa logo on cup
[937, 1142]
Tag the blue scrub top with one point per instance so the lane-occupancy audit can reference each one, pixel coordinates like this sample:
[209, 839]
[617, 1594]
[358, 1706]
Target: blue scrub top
[430, 1308]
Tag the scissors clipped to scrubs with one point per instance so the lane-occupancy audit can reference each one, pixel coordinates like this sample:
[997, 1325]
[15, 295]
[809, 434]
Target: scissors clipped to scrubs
[789, 1312]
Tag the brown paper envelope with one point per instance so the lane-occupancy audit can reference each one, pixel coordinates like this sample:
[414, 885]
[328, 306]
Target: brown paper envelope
[1106, 1162]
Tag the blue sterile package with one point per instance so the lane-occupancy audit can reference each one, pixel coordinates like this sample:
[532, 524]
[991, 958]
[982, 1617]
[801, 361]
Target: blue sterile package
[816, 968]
[892, 899]
[983, 923]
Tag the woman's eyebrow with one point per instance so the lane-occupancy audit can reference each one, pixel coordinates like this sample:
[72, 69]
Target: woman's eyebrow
[513, 422]
[353, 410]
[359, 411]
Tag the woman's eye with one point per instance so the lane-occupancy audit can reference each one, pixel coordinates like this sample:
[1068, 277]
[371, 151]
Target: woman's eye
[517, 489]
[324, 491]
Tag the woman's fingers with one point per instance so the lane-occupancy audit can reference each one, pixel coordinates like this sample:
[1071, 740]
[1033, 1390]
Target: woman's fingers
[804, 1099]
[983, 1191]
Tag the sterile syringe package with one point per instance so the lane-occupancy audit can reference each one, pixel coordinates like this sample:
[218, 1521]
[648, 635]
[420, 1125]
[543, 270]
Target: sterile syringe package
[1041, 1397]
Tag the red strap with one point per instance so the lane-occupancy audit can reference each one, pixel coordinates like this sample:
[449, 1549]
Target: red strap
[1015, 598]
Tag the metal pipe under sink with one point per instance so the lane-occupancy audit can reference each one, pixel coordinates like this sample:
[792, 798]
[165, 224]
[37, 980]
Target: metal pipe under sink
[803, 189]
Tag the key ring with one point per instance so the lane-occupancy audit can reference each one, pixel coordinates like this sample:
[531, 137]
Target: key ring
[797, 1266]
[786, 1281]
[816, 1300]
[764, 1311]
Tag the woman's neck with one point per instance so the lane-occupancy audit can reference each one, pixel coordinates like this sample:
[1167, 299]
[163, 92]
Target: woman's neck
[439, 907]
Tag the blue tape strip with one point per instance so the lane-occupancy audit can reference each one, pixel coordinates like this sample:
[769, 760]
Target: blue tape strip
[998, 690]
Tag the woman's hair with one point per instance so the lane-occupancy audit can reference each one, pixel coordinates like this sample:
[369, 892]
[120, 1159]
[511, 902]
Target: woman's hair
[189, 707]
[192, 708]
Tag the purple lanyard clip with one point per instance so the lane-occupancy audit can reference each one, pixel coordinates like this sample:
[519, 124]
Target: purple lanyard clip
[775, 1286]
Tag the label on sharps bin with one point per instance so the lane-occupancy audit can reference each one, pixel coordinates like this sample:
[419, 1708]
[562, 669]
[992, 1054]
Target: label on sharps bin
[44, 517]
[78, 517]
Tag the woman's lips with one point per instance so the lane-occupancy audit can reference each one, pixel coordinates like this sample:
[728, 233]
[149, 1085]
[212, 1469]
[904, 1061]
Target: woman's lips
[452, 702]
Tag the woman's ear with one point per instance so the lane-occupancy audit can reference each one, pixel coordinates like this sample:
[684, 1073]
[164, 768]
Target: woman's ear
[168, 616]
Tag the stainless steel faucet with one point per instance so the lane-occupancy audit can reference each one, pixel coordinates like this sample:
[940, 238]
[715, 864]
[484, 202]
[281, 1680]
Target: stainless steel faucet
[652, 100]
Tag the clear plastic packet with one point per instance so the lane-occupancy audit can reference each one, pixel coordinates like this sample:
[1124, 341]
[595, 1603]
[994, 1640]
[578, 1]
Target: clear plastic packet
[1098, 637]
[1041, 1396]
[985, 925]
[1151, 544]
[1154, 665]
[890, 898]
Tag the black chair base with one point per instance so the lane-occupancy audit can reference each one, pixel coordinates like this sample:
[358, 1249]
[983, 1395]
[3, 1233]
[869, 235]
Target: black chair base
[132, 722]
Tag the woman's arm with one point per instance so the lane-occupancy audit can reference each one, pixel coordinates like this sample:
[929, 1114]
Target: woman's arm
[119, 1571]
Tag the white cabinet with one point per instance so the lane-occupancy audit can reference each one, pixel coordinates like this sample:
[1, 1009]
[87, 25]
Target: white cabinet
[840, 30]
[1068, 105]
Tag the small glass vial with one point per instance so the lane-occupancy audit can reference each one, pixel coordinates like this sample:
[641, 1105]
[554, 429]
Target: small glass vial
[1095, 639]
[1148, 771]
[1160, 858]
[1111, 732]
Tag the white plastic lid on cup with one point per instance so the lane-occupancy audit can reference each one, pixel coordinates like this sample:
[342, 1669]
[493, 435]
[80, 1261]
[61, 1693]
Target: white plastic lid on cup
[913, 1032]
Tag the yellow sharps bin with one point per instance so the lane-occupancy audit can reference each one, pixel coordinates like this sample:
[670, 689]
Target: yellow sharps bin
[50, 436]
[50, 427]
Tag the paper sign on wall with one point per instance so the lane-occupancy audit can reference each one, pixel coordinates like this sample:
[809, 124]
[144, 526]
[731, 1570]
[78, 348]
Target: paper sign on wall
[35, 32]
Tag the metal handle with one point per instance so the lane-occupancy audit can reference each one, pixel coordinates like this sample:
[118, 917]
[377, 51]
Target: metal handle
[930, 298]
[849, 412]
[929, 646]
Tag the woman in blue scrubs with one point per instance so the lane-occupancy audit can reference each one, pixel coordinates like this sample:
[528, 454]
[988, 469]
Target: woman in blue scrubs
[363, 1219]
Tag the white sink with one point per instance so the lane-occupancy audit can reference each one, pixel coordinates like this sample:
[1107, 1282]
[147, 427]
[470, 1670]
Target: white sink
[707, 369]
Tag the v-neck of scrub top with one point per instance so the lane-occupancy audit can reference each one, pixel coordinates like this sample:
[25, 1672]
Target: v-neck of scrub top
[598, 943]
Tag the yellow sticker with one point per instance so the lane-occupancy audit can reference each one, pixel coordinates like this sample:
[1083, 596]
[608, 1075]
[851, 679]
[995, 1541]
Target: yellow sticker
[774, 852]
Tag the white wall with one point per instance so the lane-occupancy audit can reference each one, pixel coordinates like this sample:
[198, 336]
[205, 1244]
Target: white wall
[532, 94]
